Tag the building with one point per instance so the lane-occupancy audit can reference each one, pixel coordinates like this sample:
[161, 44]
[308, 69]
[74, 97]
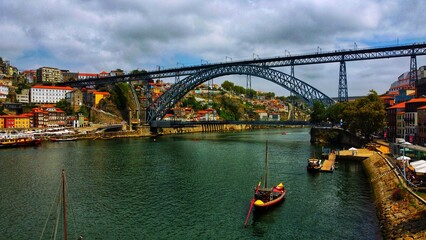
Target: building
[4, 91]
[394, 126]
[48, 94]
[92, 97]
[410, 117]
[24, 96]
[14, 121]
[421, 125]
[421, 82]
[97, 96]
[30, 75]
[75, 99]
[48, 115]
[69, 76]
[84, 76]
[49, 75]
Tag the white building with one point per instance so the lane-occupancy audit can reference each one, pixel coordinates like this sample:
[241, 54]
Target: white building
[48, 94]
[4, 91]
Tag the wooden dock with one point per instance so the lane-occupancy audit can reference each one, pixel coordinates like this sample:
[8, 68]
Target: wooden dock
[328, 165]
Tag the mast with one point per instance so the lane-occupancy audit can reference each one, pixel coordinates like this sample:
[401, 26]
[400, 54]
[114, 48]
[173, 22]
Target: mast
[64, 204]
[266, 166]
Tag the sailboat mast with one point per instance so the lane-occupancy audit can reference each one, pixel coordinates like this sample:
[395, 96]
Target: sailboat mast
[64, 205]
[266, 166]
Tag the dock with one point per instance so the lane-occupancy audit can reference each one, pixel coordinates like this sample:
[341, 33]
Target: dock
[328, 165]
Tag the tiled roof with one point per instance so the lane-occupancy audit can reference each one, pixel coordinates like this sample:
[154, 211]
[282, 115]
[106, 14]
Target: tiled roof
[52, 87]
[399, 105]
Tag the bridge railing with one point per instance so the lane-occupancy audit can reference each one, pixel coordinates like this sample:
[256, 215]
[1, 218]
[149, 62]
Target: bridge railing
[177, 123]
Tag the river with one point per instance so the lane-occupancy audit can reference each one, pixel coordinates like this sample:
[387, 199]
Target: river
[191, 186]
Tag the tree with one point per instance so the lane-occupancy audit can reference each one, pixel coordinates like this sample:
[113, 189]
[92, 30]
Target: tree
[318, 113]
[365, 116]
[227, 85]
[65, 106]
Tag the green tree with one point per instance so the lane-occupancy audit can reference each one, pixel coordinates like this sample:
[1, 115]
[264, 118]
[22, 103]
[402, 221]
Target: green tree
[65, 106]
[318, 114]
[192, 103]
[365, 116]
[227, 85]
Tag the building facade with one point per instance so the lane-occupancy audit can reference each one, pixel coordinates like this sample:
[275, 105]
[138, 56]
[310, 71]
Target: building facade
[15, 121]
[49, 75]
[48, 94]
[24, 96]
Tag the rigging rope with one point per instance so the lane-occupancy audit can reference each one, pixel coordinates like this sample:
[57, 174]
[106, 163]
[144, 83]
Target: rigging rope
[50, 211]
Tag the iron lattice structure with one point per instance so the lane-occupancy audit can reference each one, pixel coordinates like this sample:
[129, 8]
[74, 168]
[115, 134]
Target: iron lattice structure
[305, 59]
[343, 83]
[413, 71]
[162, 105]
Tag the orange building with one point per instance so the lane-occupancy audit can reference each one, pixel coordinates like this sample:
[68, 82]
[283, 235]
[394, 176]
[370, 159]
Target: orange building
[14, 121]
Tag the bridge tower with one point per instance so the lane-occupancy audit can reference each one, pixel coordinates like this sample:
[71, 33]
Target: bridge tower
[248, 86]
[413, 71]
[343, 83]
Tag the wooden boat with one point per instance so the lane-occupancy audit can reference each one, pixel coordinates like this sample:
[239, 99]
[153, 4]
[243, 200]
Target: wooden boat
[314, 165]
[266, 197]
[64, 139]
[19, 142]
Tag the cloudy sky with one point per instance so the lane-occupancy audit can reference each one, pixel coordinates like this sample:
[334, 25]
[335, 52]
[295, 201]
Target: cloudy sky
[98, 35]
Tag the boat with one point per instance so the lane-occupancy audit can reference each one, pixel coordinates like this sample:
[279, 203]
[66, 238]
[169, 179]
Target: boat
[63, 139]
[265, 197]
[314, 164]
[19, 142]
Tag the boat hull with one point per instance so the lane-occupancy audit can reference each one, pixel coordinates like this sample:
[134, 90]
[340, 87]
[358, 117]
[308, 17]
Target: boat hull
[269, 197]
[19, 142]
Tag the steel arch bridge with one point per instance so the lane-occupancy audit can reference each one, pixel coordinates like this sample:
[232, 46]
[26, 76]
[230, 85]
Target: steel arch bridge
[159, 108]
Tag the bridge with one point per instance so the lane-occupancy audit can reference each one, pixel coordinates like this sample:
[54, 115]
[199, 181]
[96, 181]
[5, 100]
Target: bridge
[263, 68]
[177, 124]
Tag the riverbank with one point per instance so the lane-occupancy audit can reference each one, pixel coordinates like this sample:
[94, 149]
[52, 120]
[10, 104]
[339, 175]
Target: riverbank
[402, 215]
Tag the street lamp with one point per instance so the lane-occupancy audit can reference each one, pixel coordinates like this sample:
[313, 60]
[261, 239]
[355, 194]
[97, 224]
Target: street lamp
[285, 53]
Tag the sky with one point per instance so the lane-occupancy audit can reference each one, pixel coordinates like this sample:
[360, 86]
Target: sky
[104, 35]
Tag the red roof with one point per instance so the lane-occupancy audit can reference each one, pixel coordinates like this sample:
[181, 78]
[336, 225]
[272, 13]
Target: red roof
[53, 87]
[399, 105]
[417, 100]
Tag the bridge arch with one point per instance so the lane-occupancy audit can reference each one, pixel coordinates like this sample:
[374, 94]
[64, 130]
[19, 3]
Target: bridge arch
[159, 108]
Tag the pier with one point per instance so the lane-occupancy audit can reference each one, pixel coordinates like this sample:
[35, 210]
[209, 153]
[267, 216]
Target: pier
[328, 165]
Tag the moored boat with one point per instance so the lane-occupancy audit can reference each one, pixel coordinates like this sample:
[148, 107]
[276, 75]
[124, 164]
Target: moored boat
[265, 197]
[269, 197]
[314, 165]
[19, 142]
[64, 139]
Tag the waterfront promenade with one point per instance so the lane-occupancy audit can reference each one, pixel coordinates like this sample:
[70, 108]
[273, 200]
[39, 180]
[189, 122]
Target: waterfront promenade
[402, 213]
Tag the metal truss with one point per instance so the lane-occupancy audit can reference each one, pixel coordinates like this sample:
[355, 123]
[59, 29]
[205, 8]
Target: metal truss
[161, 106]
[316, 58]
[343, 83]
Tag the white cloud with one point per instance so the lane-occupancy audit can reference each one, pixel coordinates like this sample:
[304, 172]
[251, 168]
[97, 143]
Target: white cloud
[102, 35]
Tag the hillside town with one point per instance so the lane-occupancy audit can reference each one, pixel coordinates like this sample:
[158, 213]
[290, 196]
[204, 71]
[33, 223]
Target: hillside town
[32, 99]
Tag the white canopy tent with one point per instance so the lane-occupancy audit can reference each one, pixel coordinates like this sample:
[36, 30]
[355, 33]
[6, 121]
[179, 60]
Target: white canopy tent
[419, 166]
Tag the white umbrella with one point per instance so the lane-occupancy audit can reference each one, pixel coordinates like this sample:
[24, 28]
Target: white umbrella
[352, 149]
[403, 158]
